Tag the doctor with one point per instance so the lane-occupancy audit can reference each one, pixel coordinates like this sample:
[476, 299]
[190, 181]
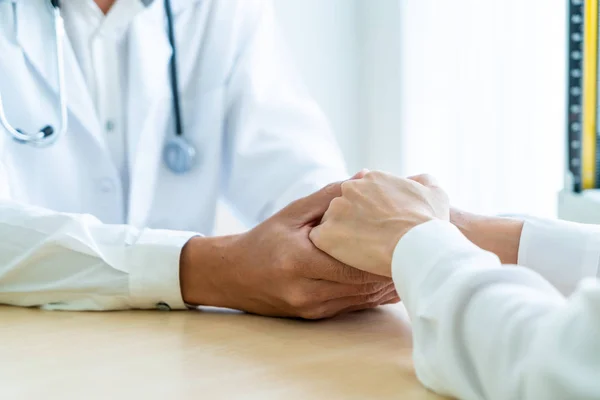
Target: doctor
[120, 133]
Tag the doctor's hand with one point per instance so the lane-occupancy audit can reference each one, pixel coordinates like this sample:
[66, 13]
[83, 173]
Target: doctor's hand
[363, 226]
[275, 270]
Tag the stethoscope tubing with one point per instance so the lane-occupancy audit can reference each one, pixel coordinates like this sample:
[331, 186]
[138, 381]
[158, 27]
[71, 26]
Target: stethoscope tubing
[42, 138]
[178, 153]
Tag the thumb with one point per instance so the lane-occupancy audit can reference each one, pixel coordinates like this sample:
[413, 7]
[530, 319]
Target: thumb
[312, 207]
[425, 180]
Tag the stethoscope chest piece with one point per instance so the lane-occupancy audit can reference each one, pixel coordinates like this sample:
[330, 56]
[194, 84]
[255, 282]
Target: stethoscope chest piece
[179, 155]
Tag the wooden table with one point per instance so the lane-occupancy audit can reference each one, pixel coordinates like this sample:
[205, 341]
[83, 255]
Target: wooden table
[213, 354]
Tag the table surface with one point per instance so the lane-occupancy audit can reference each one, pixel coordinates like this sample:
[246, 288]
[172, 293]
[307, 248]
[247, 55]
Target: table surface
[213, 354]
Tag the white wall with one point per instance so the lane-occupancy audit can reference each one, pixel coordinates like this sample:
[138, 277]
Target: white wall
[348, 52]
[469, 90]
[483, 100]
[381, 84]
[324, 41]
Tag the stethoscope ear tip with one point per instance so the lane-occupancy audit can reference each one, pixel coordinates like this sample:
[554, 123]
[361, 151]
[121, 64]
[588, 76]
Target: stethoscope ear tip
[47, 131]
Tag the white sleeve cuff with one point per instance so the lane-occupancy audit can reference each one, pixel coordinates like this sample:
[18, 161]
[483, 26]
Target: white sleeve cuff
[154, 267]
[562, 252]
[422, 250]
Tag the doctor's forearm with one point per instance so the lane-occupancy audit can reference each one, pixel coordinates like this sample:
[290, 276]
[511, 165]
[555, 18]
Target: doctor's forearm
[500, 236]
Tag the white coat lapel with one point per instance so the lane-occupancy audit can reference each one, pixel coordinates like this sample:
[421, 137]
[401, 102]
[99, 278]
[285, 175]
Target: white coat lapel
[35, 34]
[148, 107]
[150, 113]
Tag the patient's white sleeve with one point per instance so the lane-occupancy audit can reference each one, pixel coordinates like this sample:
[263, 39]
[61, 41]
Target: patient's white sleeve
[562, 252]
[486, 331]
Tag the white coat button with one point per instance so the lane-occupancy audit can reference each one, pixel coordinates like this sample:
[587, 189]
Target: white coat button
[107, 185]
[162, 306]
[109, 126]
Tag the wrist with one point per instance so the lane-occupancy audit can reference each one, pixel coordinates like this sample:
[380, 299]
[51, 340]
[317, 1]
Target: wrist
[203, 270]
[501, 236]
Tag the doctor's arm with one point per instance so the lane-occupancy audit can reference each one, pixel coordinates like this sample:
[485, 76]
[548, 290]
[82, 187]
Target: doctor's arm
[480, 330]
[279, 143]
[74, 262]
[67, 261]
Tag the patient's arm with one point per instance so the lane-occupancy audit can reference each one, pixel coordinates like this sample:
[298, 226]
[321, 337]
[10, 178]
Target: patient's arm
[562, 252]
[483, 331]
[480, 330]
[501, 236]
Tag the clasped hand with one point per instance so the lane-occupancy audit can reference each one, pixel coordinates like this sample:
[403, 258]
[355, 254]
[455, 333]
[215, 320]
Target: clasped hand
[323, 255]
[362, 227]
[275, 270]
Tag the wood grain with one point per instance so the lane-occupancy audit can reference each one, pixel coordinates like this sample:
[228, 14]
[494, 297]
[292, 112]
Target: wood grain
[212, 354]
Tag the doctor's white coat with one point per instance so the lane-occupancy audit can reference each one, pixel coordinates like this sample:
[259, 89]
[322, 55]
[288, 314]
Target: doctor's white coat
[70, 240]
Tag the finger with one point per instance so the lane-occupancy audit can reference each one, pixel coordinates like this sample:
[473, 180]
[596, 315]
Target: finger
[313, 207]
[324, 267]
[325, 291]
[389, 298]
[425, 180]
[341, 305]
[359, 307]
[394, 300]
[375, 301]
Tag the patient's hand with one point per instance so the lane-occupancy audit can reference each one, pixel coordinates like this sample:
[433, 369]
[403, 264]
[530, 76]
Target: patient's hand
[362, 227]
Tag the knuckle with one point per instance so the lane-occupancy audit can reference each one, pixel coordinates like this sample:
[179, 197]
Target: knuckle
[332, 188]
[427, 180]
[315, 235]
[371, 175]
[299, 300]
[321, 237]
[375, 175]
[337, 206]
[347, 186]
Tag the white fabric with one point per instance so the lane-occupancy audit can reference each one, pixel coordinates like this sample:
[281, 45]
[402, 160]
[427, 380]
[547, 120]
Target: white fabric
[74, 262]
[472, 55]
[100, 45]
[262, 142]
[562, 252]
[486, 331]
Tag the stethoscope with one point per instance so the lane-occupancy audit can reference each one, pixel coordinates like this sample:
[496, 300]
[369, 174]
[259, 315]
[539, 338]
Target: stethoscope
[179, 154]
